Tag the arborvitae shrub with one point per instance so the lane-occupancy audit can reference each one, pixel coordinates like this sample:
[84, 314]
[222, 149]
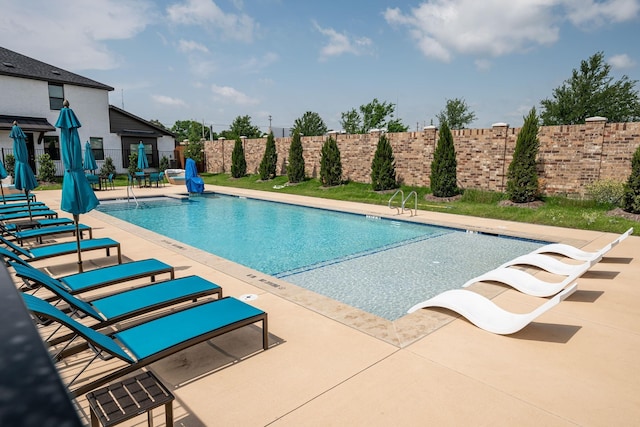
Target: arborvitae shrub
[295, 168]
[269, 159]
[631, 199]
[330, 163]
[108, 167]
[443, 168]
[522, 176]
[238, 161]
[383, 166]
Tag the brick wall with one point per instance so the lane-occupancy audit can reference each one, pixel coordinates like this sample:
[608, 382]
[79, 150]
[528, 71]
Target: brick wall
[570, 157]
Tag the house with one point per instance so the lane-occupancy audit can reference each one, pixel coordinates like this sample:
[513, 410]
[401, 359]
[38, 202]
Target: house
[32, 95]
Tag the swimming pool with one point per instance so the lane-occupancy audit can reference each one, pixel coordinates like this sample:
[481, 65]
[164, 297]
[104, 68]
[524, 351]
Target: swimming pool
[378, 265]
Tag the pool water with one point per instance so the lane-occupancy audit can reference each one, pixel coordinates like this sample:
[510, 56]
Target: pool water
[378, 265]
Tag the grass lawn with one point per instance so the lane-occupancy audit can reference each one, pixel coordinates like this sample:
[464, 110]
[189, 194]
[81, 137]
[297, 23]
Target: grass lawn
[557, 211]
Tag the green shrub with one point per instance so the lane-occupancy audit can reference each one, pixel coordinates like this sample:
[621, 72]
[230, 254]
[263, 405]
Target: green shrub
[522, 176]
[133, 163]
[383, 166]
[443, 168]
[295, 168]
[10, 164]
[238, 161]
[330, 163]
[46, 168]
[607, 191]
[269, 159]
[631, 199]
[108, 167]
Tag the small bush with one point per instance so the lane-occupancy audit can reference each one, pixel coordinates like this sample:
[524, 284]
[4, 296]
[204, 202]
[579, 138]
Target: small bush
[606, 192]
[46, 169]
[10, 164]
[295, 168]
[631, 200]
[269, 159]
[108, 167]
[133, 163]
[238, 160]
[330, 163]
[383, 166]
[164, 164]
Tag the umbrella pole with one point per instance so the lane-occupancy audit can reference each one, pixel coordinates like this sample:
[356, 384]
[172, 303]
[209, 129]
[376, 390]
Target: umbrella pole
[76, 220]
[4, 201]
[26, 193]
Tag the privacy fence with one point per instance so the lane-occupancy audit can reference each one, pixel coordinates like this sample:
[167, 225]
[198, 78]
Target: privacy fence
[570, 156]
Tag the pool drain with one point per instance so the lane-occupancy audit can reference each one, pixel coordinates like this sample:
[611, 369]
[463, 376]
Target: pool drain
[248, 297]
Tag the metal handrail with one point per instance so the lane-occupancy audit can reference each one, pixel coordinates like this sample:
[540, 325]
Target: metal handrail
[130, 187]
[401, 201]
[413, 193]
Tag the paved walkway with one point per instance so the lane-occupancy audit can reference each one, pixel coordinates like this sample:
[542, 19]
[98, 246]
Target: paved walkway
[577, 364]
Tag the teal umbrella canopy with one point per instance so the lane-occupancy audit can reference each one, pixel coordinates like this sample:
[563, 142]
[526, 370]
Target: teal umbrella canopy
[24, 177]
[143, 163]
[3, 171]
[89, 161]
[77, 195]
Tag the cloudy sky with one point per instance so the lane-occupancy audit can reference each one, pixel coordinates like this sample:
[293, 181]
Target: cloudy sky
[212, 61]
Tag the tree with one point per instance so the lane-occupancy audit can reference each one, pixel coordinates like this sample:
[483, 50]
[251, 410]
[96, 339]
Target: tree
[133, 164]
[164, 164]
[592, 92]
[310, 124]
[351, 121]
[631, 198]
[522, 177]
[444, 176]
[295, 168]
[46, 169]
[330, 163]
[269, 159]
[383, 167]
[10, 164]
[395, 125]
[238, 161]
[158, 123]
[242, 126]
[456, 114]
[191, 130]
[194, 150]
[374, 115]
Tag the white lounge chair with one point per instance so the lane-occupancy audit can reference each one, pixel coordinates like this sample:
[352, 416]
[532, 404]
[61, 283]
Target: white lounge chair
[578, 254]
[526, 282]
[485, 314]
[549, 263]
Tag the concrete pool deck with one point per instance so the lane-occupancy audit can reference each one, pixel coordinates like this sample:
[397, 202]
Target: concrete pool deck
[330, 365]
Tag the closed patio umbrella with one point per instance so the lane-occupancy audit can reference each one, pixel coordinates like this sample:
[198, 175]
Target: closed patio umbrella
[143, 163]
[24, 177]
[192, 180]
[3, 175]
[77, 195]
[89, 161]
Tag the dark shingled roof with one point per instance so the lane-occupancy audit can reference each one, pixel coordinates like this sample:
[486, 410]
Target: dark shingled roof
[17, 65]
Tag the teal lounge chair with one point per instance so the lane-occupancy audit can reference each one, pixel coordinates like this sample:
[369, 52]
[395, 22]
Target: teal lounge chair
[37, 223]
[19, 205]
[155, 339]
[17, 197]
[89, 280]
[37, 213]
[39, 233]
[65, 248]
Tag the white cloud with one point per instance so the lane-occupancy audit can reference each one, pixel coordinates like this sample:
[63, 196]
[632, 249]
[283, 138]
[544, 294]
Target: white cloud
[208, 15]
[231, 95]
[191, 46]
[483, 64]
[621, 61]
[589, 13]
[72, 40]
[255, 65]
[167, 100]
[498, 27]
[339, 43]
[443, 28]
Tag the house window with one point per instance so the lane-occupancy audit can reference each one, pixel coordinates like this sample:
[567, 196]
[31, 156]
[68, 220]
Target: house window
[52, 147]
[56, 96]
[97, 148]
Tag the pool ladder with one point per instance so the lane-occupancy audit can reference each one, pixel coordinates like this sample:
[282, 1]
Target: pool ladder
[130, 188]
[402, 208]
